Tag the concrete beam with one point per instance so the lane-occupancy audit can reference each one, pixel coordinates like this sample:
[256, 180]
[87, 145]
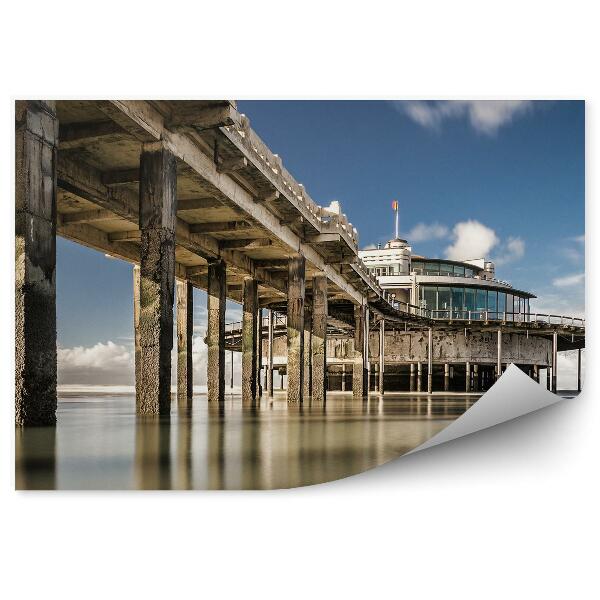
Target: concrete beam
[88, 216]
[185, 331]
[319, 337]
[250, 308]
[121, 176]
[215, 338]
[36, 138]
[85, 181]
[221, 227]
[203, 114]
[157, 216]
[146, 122]
[230, 165]
[295, 328]
[76, 135]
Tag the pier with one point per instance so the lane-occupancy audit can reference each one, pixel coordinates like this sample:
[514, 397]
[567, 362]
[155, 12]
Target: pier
[189, 194]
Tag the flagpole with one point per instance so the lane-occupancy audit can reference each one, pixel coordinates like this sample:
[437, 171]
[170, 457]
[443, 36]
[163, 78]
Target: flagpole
[396, 211]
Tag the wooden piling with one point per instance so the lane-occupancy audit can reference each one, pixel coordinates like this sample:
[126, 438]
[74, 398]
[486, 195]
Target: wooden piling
[319, 337]
[215, 334]
[308, 375]
[270, 355]
[136, 325]
[185, 330]
[249, 323]
[430, 361]
[36, 138]
[157, 213]
[295, 328]
[382, 356]
[360, 373]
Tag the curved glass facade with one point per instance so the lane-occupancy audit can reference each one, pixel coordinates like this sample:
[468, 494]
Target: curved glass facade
[471, 302]
[440, 267]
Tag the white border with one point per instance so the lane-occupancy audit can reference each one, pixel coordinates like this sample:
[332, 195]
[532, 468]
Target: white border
[511, 512]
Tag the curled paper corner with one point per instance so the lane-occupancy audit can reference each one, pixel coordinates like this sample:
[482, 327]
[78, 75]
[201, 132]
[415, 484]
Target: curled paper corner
[515, 394]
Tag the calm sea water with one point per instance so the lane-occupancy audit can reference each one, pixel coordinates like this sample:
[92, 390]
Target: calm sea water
[99, 443]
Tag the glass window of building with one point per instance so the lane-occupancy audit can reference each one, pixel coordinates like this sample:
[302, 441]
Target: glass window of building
[446, 269]
[432, 268]
[480, 301]
[429, 295]
[509, 305]
[469, 272]
[469, 298]
[492, 302]
[458, 301]
[458, 270]
[443, 299]
[501, 302]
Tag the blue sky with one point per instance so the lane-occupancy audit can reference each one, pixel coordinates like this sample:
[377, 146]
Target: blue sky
[512, 173]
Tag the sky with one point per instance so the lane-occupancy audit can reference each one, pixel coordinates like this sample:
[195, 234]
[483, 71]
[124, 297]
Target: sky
[502, 180]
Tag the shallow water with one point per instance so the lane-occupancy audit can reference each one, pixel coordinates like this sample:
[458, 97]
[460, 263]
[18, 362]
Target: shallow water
[99, 443]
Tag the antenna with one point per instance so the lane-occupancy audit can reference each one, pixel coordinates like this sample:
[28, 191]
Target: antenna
[395, 208]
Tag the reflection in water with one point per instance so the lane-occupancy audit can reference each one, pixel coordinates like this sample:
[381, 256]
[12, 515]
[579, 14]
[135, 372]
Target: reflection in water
[99, 443]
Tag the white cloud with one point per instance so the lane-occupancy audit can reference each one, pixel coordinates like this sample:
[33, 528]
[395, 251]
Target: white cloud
[569, 280]
[567, 369]
[485, 116]
[514, 249]
[100, 356]
[370, 247]
[101, 364]
[423, 232]
[472, 240]
[572, 254]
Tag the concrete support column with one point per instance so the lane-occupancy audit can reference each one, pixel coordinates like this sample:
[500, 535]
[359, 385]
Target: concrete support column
[536, 373]
[430, 361]
[499, 360]
[381, 356]
[319, 337]
[215, 332]
[548, 378]
[185, 330]
[136, 325]
[270, 355]
[360, 373]
[343, 377]
[554, 360]
[579, 369]
[259, 339]
[36, 138]
[467, 376]
[157, 213]
[419, 376]
[307, 350]
[446, 377]
[295, 327]
[476, 377]
[411, 384]
[250, 308]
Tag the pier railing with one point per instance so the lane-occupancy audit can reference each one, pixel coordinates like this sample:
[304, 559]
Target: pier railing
[447, 316]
